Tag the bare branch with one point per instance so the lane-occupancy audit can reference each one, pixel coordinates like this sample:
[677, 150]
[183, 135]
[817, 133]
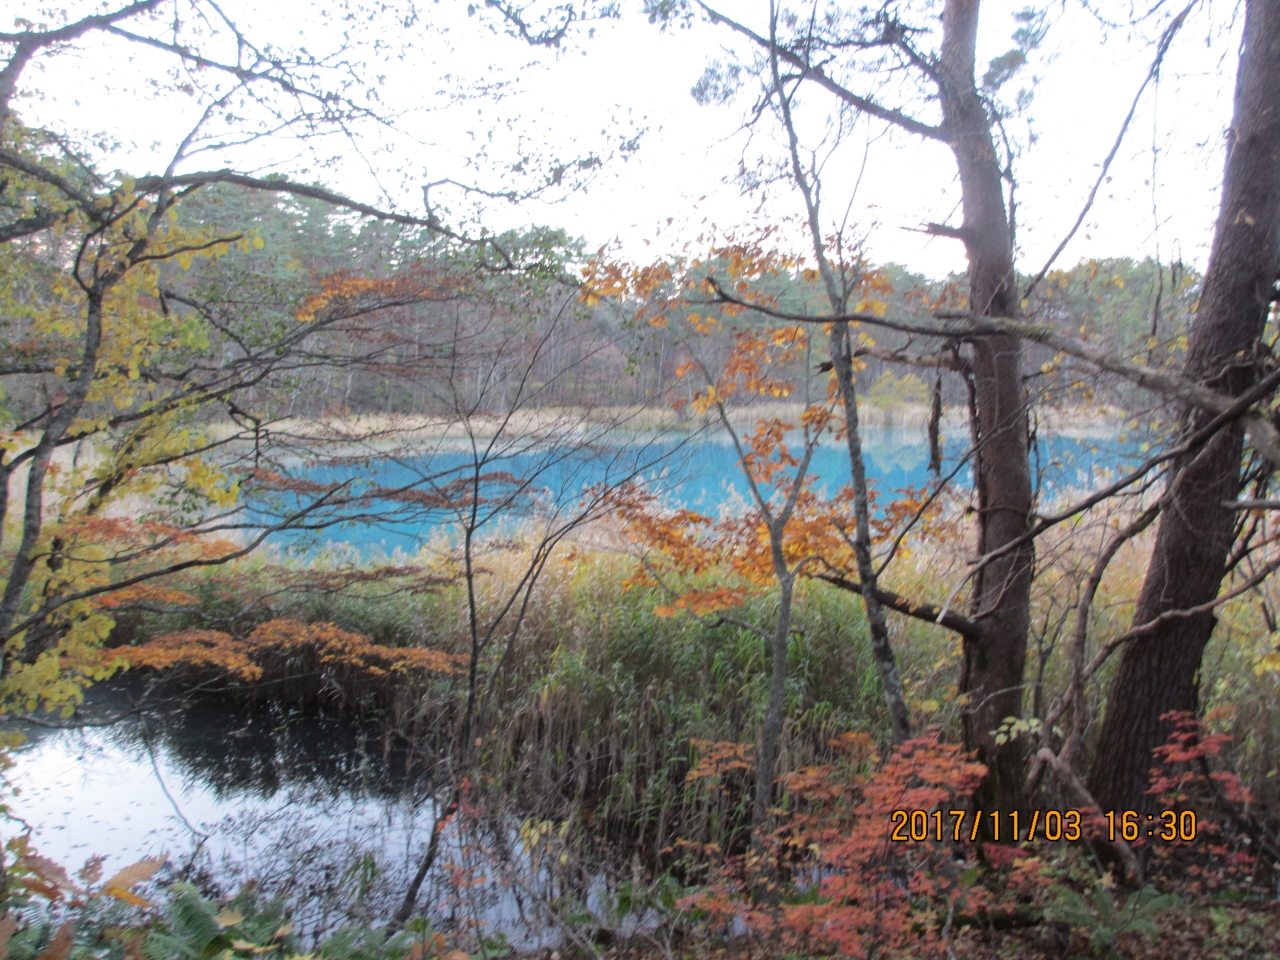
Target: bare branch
[1163, 48]
[920, 611]
[28, 42]
[819, 76]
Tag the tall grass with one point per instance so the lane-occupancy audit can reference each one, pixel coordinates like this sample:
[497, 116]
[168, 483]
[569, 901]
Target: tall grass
[598, 706]
[600, 700]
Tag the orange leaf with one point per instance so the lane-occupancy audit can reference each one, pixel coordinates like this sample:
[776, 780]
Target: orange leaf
[48, 871]
[133, 875]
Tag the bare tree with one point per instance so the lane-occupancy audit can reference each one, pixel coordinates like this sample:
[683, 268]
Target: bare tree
[526, 446]
[842, 276]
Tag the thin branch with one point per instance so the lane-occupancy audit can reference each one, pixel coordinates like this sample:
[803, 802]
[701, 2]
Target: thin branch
[1073, 697]
[975, 324]
[820, 77]
[961, 624]
[1199, 437]
[1152, 73]
[28, 42]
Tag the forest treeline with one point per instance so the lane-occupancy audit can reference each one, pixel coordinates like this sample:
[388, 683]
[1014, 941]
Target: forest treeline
[379, 361]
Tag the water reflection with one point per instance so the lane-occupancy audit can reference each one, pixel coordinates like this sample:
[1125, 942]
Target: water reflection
[324, 813]
[256, 749]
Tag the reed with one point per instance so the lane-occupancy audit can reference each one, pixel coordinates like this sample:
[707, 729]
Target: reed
[597, 708]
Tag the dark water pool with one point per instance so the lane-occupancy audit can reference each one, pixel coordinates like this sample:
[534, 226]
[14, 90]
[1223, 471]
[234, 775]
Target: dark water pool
[325, 813]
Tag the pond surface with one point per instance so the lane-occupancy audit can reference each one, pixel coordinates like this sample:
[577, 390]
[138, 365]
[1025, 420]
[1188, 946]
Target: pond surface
[700, 473]
[328, 814]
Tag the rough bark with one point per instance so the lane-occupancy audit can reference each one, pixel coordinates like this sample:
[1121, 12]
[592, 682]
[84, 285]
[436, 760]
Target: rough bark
[1160, 671]
[994, 658]
[992, 671]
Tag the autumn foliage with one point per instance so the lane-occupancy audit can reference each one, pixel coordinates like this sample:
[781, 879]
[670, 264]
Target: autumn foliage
[1184, 780]
[851, 888]
[736, 548]
[284, 639]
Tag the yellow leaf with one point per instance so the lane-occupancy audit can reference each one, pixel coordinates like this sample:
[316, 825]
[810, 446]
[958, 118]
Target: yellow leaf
[244, 946]
[134, 874]
[127, 896]
[1268, 664]
[228, 918]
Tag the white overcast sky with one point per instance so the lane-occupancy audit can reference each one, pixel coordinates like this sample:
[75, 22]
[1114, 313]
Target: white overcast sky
[1161, 198]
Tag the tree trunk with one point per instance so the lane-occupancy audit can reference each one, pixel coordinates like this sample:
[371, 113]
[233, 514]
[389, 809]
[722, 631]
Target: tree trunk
[895, 695]
[24, 561]
[1160, 672]
[842, 364]
[991, 674]
[771, 729]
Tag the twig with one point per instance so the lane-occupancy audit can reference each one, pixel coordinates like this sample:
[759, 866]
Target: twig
[155, 767]
[1163, 48]
[1132, 869]
[1255, 830]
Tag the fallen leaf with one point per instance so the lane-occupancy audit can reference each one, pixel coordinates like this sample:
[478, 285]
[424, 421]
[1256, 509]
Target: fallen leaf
[134, 874]
[7, 926]
[60, 945]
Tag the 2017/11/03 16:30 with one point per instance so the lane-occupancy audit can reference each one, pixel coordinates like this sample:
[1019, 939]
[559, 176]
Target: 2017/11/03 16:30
[1053, 825]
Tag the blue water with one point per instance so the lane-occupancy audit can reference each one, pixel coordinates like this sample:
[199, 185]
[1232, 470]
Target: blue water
[700, 473]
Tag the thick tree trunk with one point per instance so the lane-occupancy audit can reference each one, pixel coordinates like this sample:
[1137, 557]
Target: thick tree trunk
[1160, 672]
[991, 675]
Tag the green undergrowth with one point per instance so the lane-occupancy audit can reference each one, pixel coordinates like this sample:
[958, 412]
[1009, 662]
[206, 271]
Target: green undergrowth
[601, 700]
[187, 925]
[598, 710]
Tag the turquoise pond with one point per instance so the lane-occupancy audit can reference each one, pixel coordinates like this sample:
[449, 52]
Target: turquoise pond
[700, 473]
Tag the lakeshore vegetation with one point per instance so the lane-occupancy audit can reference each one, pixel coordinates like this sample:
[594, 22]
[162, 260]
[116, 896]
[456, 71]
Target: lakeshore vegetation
[829, 718]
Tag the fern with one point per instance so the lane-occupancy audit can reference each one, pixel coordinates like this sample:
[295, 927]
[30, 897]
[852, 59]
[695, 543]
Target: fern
[364, 943]
[31, 941]
[198, 930]
[1106, 919]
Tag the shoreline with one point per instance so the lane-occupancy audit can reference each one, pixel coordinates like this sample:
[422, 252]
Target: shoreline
[379, 434]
